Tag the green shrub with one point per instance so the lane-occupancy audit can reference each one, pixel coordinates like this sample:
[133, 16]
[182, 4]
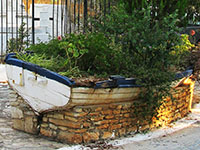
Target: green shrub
[152, 48]
[77, 55]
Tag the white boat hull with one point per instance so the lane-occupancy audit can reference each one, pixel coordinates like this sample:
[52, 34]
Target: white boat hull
[39, 92]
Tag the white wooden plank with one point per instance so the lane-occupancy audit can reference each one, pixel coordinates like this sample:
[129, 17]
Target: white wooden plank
[104, 96]
[107, 90]
[95, 102]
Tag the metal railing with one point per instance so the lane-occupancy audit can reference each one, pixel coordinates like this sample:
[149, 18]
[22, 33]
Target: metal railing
[27, 21]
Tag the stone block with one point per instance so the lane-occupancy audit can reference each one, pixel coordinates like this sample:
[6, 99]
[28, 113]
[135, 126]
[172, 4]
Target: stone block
[127, 115]
[46, 132]
[72, 119]
[78, 109]
[14, 104]
[123, 120]
[55, 115]
[110, 117]
[98, 109]
[58, 116]
[77, 130]
[29, 113]
[107, 112]
[113, 121]
[45, 119]
[70, 137]
[63, 128]
[104, 126]
[107, 135]
[16, 113]
[86, 124]
[119, 107]
[115, 126]
[101, 122]
[116, 111]
[44, 125]
[122, 131]
[18, 124]
[125, 124]
[75, 114]
[65, 123]
[143, 128]
[97, 118]
[112, 106]
[132, 129]
[94, 113]
[52, 126]
[30, 125]
[90, 136]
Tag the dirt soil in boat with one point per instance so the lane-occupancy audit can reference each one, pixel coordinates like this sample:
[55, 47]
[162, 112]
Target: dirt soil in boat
[87, 81]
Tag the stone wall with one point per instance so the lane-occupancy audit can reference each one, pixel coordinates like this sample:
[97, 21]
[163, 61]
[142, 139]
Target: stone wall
[84, 124]
[23, 117]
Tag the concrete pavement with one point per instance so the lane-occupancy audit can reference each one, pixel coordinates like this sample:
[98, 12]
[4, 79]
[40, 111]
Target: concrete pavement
[185, 139]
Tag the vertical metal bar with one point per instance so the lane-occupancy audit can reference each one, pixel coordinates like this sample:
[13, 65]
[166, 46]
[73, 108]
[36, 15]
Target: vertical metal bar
[79, 15]
[108, 6]
[22, 26]
[74, 15]
[57, 15]
[66, 17]
[100, 9]
[33, 22]
[91, 13]
[95, 11]
[104, 8]
[12, 23]
[85, 15]
[61, 17]
[6, 26]
[1, 30]
[53, 20]
[100, 5]
[17, 25]
[70, 22]
[27, 28]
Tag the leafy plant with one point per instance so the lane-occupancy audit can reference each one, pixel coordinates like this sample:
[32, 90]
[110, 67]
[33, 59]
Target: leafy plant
[188, 11]
[74, 49]
[151, 48]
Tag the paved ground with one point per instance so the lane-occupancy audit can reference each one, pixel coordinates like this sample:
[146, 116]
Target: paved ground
[185, 139]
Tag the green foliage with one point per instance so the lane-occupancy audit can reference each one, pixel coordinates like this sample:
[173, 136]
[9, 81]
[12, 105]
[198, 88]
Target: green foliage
[74, 49]
[188, 11]
[102, 57]
[151, 48]
[77, 55]
[50, 49]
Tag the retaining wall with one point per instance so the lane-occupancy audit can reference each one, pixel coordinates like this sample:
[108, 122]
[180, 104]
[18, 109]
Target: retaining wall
[92, 122]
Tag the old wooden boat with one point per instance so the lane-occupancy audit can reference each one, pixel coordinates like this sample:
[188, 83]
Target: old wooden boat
[45, 90]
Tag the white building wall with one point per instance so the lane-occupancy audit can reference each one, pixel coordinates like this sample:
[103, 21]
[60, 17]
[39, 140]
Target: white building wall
[43, 27]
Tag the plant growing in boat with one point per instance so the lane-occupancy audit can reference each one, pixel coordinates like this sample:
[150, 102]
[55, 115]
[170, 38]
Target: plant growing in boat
[74, 51]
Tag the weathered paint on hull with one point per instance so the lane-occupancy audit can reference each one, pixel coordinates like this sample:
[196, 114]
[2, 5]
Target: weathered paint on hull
[44, 94]
[39, 92]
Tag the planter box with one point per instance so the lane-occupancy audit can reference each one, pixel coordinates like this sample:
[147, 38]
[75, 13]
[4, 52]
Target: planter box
[80, 114]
